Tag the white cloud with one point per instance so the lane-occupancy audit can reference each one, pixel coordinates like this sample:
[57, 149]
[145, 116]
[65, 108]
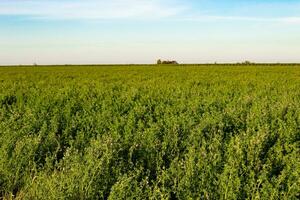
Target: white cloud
[91, 9]
[122, 9]
[288, 20]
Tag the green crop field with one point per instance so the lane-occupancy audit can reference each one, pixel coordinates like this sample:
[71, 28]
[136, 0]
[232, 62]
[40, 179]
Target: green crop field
[150, 132]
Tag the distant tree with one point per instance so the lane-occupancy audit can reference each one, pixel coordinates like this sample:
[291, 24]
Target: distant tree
[247, 62]
[167, 62]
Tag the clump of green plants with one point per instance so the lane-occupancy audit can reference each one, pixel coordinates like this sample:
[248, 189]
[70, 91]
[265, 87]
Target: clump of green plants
[155, 132]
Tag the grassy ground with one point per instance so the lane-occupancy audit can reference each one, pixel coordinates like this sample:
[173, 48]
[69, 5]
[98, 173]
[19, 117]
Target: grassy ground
[134, 132]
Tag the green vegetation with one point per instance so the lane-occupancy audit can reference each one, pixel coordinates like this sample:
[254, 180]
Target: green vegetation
[152, 132]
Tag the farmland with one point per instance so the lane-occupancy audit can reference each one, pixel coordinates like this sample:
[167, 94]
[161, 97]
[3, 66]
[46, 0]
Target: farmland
[150, 132]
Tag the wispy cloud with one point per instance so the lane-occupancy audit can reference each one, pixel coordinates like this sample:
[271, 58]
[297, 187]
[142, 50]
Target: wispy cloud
[288, 20]
[140, 9]
[91, 9]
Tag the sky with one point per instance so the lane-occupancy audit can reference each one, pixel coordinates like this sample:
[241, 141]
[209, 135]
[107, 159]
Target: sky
[142, 31]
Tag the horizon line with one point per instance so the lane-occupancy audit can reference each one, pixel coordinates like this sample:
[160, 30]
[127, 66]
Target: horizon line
[153, 64]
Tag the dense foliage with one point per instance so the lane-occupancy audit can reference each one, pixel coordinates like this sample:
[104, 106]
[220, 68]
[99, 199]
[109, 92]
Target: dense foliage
[152, 132]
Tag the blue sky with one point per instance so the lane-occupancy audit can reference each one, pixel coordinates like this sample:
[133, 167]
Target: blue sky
[141, 31]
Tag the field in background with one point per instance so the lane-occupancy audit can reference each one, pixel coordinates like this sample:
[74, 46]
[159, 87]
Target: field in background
[153, 132]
